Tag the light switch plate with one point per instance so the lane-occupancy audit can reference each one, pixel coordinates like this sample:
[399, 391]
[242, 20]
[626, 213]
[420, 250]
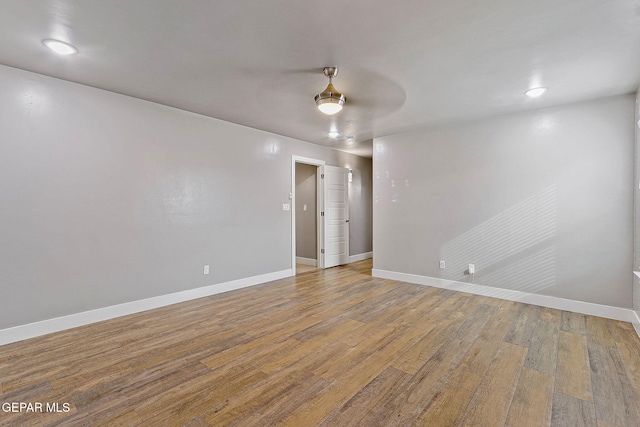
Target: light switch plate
[286, 207]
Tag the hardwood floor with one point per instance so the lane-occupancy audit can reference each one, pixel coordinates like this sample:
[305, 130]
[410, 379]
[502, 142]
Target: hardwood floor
[332, 347]
[304, 268]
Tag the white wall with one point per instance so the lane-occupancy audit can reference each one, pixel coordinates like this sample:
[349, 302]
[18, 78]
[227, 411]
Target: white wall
[108, 199]
[541, 202]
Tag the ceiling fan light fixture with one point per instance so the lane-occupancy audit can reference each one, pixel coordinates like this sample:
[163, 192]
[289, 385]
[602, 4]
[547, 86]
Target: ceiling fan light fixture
[330, 101]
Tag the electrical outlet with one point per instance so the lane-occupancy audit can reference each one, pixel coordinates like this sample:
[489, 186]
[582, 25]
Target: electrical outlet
[472, 269]
[206, 269]
[442, 264]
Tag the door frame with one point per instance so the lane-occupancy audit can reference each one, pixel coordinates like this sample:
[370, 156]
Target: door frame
[319, 208]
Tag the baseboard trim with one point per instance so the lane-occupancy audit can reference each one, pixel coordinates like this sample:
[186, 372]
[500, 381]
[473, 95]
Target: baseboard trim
[31, 330]
[636, 322]
[360, 257]
[306, 261]
[607, 311]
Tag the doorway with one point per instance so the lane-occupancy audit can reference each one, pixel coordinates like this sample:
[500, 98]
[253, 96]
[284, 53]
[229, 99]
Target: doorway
[312, 217]
[331, 214]
[306, 207]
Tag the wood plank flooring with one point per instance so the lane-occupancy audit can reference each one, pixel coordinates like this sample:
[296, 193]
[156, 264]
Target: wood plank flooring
[332, 347]
[304, 268]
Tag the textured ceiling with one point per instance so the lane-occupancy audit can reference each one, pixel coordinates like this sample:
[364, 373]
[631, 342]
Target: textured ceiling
[403, 65]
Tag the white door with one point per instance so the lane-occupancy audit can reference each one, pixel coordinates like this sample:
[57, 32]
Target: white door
[336, 216]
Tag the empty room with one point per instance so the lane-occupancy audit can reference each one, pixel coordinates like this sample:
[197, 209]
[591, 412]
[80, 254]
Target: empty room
[338, 213]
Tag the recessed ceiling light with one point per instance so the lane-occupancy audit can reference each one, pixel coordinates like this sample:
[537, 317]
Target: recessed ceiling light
[535, 92]
[333, 134]
[61, 48]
